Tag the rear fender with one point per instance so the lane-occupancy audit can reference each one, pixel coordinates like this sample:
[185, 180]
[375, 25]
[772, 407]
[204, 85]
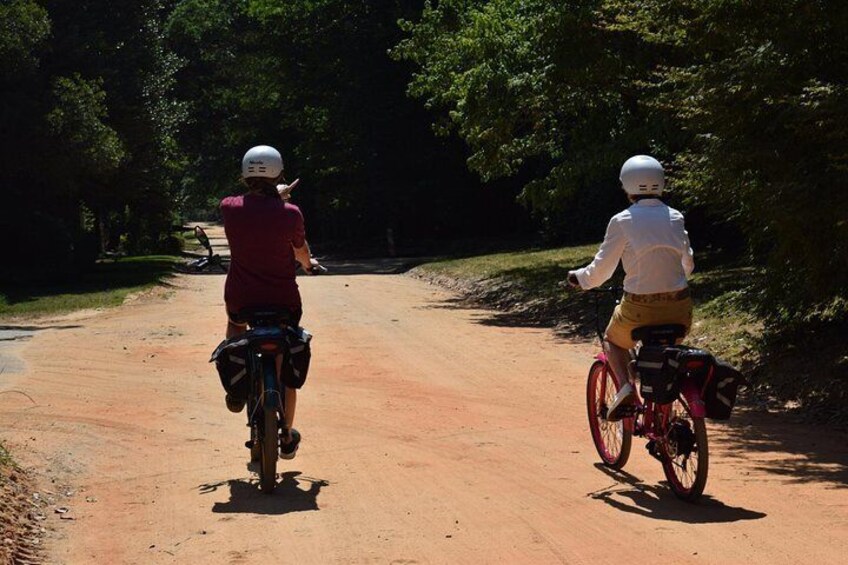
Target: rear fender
[271, 397]
[690, 392]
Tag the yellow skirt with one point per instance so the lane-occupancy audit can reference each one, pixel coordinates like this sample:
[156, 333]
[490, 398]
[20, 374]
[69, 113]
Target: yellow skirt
[630, 315]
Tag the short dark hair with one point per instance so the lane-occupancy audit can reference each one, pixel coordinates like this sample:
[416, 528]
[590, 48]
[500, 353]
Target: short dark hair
[262, 185]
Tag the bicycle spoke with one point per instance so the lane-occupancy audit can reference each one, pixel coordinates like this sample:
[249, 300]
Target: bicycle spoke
[612, 439]
[685, 466]
[611, 432]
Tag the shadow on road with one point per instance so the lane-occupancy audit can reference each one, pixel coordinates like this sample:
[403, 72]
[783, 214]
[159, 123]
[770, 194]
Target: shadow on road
[384, 266]
[377, 266]
[631, 495]
[778, 444]
[569, 320]
[184, 269]
[288, 497]
[39, 328]
[11, 335]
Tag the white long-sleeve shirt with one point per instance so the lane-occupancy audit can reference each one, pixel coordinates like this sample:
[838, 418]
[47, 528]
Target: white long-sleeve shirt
[652, 243]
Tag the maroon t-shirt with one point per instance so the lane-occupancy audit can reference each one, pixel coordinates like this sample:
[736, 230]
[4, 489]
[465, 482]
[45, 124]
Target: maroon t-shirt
[261, 231]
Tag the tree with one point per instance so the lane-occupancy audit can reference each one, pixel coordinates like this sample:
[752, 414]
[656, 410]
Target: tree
[540, 90]
[762, 90]
[88, 132]
[315, 80]
[121, 44]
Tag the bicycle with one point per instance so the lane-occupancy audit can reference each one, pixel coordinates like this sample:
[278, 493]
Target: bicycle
[675, 430]
[255, 352]
[212, 262]
[247, 365]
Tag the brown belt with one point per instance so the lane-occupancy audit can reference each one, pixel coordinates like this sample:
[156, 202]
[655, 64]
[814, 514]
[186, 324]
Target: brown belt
[658, 297]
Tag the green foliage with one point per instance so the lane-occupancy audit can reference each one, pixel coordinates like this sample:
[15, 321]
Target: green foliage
[314, 79]
[23, 26]
[132, 111]
[537, 88]
[117, 117]
[745, 99]
[6, 461]
[760, 87]
[88, 154]
[77, 121]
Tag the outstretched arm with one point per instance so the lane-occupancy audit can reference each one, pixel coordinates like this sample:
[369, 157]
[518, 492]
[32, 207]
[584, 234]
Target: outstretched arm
[606, 260]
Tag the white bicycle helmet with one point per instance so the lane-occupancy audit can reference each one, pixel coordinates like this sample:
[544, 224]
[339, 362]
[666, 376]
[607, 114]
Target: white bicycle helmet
[642, 175]
[262, 161]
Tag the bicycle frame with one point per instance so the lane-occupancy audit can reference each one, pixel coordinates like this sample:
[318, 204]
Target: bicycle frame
[688, 389]
[647, 409]
[674, 431]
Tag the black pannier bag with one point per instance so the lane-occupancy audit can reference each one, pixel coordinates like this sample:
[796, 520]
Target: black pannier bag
[656, 381]
[683, 359]
[296, 365]
[720, 394]
[230, 359]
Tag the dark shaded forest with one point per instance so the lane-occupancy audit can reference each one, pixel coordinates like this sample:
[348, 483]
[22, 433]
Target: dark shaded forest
[440, 120]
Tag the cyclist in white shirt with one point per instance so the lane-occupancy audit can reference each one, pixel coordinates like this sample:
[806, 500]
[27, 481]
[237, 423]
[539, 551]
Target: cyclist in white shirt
[651, 241]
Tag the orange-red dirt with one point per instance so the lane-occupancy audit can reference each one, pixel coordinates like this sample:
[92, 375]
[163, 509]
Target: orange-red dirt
[430, 435]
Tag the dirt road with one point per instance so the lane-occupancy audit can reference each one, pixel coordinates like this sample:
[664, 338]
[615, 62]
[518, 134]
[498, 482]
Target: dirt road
[432, 434]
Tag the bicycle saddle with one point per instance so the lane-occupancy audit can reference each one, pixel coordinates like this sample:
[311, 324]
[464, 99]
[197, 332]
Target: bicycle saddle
[659, 335]
[265, 316]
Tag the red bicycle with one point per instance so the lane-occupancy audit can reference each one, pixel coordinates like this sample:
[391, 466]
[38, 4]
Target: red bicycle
[675, 428]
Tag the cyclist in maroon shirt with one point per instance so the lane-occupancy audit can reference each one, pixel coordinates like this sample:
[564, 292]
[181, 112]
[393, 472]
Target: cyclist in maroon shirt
[267, 240]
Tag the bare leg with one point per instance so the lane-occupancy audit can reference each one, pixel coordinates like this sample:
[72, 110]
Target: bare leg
[234, 329]
[619, 359]
[290, 401]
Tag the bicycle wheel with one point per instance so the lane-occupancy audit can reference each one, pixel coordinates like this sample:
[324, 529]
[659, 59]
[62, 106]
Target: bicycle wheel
[270, 451]
[612, 439]
[684, 452]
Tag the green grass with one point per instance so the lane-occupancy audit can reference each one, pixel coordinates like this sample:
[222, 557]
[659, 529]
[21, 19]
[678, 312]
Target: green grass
[528, 281]
[805, 368]
[537, 271]
[5, 458]
[188, 242]
[515, 264]
[107, 285]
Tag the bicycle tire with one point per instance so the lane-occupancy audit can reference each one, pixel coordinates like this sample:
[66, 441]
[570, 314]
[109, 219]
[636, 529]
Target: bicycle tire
[270, 451]
[601, 429]
[696, 486]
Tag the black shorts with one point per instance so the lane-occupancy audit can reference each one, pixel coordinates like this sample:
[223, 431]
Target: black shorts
[296, 315]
